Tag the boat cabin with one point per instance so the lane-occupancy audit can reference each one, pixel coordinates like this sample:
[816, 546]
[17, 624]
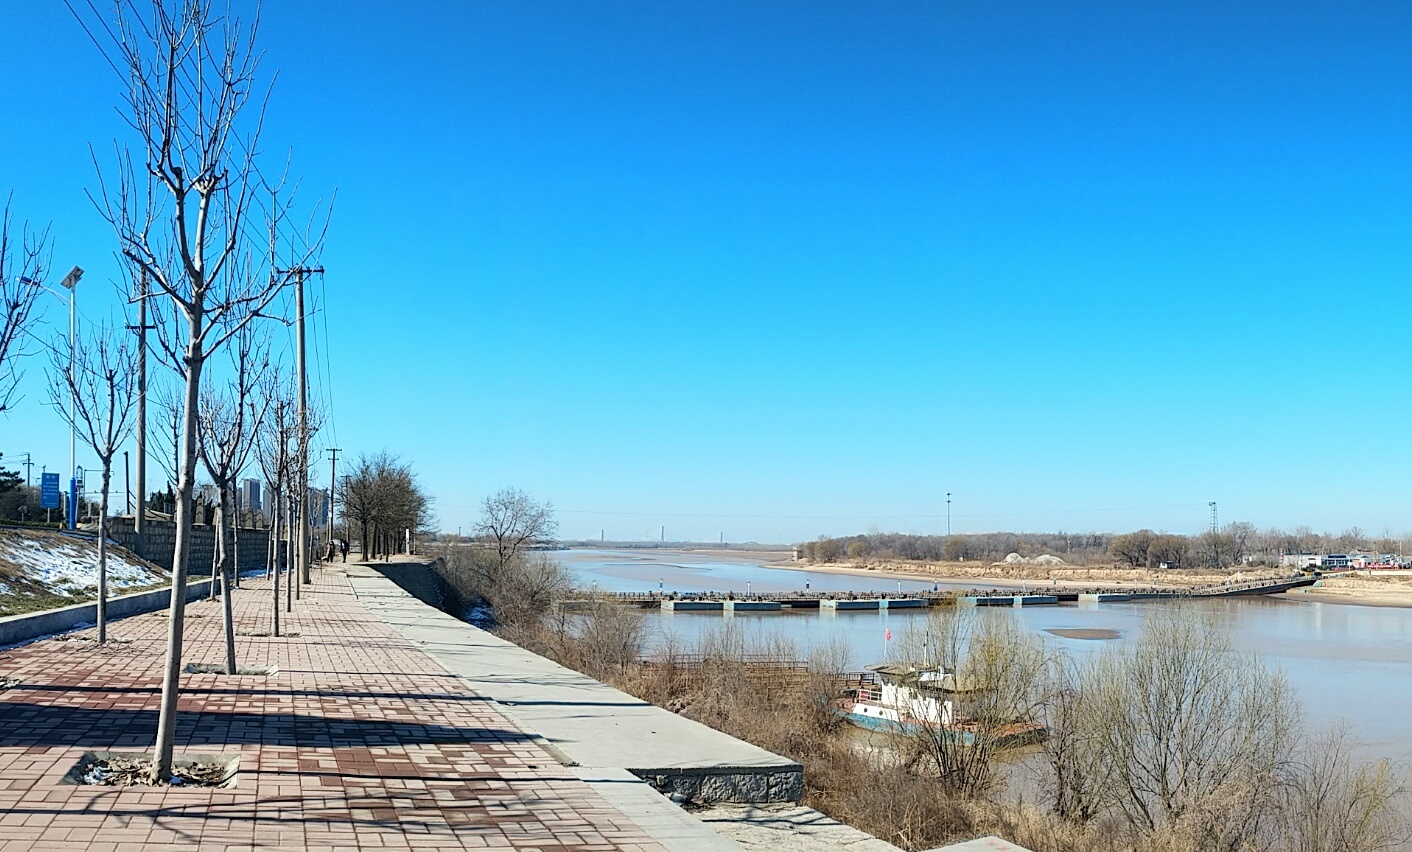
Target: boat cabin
[925, 694]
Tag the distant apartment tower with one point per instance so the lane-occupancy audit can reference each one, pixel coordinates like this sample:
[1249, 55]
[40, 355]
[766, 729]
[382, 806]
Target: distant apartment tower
[250, 495]
[318, 508]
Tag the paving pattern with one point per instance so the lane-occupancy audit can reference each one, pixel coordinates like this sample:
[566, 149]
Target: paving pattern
[361, 741]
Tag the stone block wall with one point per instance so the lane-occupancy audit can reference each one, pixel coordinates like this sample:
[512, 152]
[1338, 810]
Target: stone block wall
[159, 544]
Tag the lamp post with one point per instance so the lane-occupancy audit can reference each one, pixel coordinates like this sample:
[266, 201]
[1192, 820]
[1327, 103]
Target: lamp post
[948, 514]
[70, 283]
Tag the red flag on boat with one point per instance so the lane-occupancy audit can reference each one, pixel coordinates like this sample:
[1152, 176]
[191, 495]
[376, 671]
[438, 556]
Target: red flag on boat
[889, 634]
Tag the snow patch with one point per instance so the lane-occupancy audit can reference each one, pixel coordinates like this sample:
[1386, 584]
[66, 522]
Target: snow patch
[69, 568]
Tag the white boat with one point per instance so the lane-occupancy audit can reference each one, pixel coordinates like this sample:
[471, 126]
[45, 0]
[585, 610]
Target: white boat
[906, 699]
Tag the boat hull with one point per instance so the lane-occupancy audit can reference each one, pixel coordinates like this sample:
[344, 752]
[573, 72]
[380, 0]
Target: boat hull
[1018, 735]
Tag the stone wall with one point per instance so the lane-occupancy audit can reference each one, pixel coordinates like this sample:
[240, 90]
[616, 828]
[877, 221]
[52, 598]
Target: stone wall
[159, 544]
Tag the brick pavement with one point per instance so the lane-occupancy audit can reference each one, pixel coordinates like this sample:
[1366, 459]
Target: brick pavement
[361, 741]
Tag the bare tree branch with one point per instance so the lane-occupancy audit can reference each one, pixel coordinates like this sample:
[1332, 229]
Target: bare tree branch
[23, 266]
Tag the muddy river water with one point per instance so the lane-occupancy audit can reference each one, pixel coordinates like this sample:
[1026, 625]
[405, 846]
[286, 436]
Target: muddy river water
[1344, 661]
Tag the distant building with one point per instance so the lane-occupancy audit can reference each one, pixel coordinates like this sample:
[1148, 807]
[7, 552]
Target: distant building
[318, 508]
[1334, 560]
[250, 495]
[1300, 560]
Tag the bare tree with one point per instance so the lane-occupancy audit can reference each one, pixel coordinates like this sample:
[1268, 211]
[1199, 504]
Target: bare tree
[993, 676]
[227, 429]
[1078, 770]
[167, 437]
[99, 379]
[192, 210]
[382, 498]
[22, 269]
[275, 436]
[1178, 733]
[512, 520]
[1329, 804]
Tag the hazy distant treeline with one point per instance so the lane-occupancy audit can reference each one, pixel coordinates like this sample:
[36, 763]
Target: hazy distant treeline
[1234, 544]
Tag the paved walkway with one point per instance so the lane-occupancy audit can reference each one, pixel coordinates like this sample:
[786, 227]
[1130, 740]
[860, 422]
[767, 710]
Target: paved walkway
[361, 741]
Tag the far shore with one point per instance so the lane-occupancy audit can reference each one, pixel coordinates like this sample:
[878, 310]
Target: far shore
[1360, 589]
[1007, 575]
[1348, 589]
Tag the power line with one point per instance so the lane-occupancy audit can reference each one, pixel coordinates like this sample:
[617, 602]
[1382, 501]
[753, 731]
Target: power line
[849, 517]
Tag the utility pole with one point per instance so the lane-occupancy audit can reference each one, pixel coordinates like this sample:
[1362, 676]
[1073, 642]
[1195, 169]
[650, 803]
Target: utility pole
[332, 483]
[139, 516]
[302, 479]
[1215, 542]
[29, 465]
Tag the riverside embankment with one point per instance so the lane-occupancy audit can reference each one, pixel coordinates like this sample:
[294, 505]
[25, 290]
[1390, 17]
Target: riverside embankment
[359, 741]
[633, 753]
[387, 724]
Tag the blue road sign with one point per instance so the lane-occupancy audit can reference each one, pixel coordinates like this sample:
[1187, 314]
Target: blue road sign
[49, 491]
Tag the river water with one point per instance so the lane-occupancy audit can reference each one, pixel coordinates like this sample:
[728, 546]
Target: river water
[1345, 662]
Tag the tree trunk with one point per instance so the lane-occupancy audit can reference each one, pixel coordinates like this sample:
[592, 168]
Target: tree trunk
[274, 559]
[215, 561]
[296, 530]
[103, 554]
[223, 562]
[186, 478]
[235, 537]
[290, 587]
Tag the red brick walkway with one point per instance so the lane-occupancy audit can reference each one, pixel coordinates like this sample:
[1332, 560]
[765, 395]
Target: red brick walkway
[360, 742]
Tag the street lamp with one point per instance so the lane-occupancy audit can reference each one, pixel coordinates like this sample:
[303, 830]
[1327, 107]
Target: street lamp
[948, 514]
[70, 283]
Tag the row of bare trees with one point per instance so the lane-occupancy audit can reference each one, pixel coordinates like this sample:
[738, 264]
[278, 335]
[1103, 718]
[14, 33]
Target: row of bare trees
[209, 248]
[1235, 543]
[207, 241]
[383, 502]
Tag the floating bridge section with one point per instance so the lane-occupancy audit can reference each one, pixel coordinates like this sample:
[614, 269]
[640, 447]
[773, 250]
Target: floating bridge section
[732, 602]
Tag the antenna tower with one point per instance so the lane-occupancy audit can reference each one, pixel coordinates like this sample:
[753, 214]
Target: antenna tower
[1215, 530]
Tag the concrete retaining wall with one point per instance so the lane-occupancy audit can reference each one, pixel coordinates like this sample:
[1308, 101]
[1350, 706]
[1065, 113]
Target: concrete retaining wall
[587, 725]
[159, 544]
[22, 628]
[422, 582]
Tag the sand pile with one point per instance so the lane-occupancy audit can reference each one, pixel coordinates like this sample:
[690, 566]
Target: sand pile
[1017, 559]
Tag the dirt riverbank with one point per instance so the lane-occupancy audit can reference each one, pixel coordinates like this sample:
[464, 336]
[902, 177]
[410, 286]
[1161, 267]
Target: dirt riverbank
[1361, 589]
[1069, 576]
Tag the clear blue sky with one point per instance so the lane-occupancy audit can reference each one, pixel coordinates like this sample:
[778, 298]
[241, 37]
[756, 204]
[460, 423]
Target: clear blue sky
[783, 269]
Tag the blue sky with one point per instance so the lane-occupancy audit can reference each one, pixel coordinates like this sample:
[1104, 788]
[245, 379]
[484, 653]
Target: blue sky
[776, 270]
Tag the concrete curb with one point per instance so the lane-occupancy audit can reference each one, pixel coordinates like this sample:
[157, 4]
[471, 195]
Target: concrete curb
[18, 629]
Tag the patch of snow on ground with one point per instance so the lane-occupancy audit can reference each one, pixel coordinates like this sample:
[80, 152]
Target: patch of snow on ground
[66, 568]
